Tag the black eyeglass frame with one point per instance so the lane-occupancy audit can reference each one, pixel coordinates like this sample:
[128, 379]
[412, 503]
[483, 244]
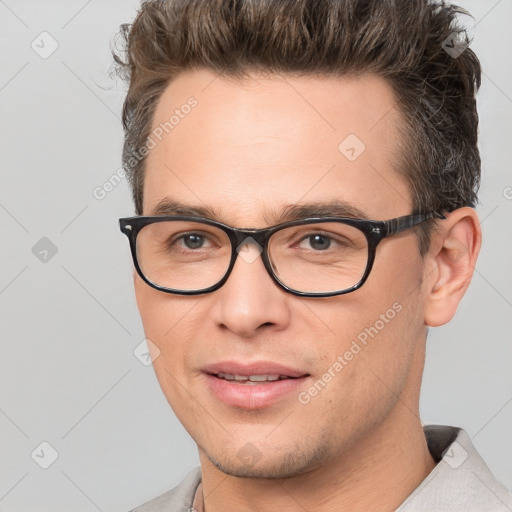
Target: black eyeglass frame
[374, 230]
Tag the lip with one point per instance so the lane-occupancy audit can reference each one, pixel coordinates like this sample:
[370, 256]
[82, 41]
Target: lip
[253, 396]
[254, 368]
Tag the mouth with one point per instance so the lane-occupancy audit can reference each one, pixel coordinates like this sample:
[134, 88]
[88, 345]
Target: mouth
[253, 386]
[251, 379]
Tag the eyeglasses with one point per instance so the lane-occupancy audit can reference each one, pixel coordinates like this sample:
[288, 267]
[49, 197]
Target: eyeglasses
[314, 257]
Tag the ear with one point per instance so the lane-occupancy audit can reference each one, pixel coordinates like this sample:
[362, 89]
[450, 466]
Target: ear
[453, 254]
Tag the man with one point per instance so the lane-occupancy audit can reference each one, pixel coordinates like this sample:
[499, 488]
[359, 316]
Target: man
[304, 176]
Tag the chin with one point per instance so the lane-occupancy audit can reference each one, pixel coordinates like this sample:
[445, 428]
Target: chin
[250, 463]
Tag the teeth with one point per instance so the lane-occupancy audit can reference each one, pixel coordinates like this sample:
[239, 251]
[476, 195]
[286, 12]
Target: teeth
[262, 378]
[251, 378]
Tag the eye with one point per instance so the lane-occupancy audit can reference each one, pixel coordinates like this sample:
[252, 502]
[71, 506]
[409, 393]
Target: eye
[317, 242]
[191, 241]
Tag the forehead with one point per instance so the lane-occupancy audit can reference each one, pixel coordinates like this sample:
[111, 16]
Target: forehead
[245, 147]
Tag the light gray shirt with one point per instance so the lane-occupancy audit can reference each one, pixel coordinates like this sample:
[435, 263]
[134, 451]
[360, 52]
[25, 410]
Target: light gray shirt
[460, 481]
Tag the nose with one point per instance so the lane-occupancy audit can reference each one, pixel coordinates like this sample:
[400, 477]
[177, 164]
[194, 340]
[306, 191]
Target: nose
[250, 301]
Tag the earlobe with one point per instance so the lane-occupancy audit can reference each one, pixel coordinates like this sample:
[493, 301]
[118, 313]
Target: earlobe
[454, 254]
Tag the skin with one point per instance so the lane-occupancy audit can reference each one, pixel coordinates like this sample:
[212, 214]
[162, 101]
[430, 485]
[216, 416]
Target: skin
[248, 149]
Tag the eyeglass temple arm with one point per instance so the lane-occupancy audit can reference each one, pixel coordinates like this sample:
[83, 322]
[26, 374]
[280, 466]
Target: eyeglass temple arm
[394, 226]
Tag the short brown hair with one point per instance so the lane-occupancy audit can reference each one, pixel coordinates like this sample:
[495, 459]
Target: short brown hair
[406, 42]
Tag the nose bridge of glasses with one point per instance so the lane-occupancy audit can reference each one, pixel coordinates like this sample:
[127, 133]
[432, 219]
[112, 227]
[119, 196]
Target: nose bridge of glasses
[249, 236]
[249, 244]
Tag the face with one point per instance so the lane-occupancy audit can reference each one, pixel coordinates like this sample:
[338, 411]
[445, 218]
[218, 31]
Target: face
[247, 151]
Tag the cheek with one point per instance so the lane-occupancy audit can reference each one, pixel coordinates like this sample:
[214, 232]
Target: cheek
[167, 322]
[161, 313]
[364, 367]
[152, 309]
[398, 267]
[374, 333]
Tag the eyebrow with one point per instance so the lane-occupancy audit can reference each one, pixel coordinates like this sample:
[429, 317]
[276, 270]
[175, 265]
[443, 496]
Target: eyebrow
[169, 206]
[334, 208]
[289, 212]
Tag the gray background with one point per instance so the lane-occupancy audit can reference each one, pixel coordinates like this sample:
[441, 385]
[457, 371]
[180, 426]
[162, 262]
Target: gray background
[69, 325]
